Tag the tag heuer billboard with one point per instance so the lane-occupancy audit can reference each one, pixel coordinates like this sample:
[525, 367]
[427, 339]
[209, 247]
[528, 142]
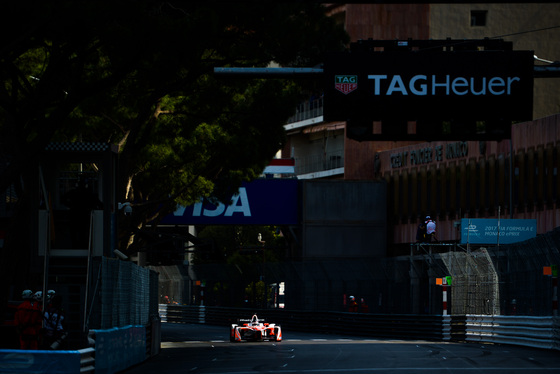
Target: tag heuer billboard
[427, 85]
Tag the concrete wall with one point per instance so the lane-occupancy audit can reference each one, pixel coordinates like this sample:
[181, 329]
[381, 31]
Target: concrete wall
[344, 219]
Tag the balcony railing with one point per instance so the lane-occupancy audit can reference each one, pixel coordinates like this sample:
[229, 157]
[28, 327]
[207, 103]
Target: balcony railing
[309, 109]
[322, 162]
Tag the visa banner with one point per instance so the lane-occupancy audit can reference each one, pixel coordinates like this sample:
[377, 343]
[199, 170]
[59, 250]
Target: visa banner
[487, 231]
[259, 202]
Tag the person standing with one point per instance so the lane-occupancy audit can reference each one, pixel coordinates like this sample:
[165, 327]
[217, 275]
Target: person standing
[38, 300]
[421, 233]
[430, 230]
[54, 332]
[353, 307]
[364, 308]
[28, 321]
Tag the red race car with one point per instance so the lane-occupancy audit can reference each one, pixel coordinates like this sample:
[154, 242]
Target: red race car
[254, 330]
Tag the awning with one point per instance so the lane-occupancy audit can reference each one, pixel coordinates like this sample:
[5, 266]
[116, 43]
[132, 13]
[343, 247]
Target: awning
[281, 166]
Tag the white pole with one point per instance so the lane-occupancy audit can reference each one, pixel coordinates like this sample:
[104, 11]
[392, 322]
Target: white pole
[444, 282]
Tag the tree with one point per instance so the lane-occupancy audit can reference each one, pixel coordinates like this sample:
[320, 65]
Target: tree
[230, 244]
[139, 74]
[243, 256]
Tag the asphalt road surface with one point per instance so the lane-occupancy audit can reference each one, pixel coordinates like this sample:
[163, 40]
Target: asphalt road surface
[206, 349]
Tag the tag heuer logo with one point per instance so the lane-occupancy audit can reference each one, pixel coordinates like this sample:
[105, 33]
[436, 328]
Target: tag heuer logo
[346, 83]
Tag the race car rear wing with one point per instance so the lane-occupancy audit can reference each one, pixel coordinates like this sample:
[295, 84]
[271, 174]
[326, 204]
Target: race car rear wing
[250, 320]
[253, 319]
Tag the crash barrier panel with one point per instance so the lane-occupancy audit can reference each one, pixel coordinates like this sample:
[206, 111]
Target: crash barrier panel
[162, 310]
[457, 327]
[153, 337]
[87, 360]
[113, 350]
[396, 326]
[446, 327]
[537, 332]
[119, 348]
[39, 361]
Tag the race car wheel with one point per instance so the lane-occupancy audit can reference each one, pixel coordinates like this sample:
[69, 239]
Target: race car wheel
[232, 333]
[277, 337]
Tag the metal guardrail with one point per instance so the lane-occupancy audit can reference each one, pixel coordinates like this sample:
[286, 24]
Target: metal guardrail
[456, 326]
[182, 314]
[162, 311]
[538, 332]
[428, 327]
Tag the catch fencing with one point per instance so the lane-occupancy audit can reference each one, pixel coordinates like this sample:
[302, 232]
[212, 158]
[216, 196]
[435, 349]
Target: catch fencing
[475, 282]
[123, 294]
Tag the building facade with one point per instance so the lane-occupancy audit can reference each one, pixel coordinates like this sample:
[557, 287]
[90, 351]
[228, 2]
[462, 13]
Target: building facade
[450, 180]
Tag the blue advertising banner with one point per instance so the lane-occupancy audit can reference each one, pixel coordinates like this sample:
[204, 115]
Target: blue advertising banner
[119, 348]
[260, 202]
[486, 231]
[13, 361]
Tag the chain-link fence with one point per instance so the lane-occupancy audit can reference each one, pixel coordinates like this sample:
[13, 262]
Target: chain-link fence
[123, 294]
[525, 290]
[174, 286]
[475, 282]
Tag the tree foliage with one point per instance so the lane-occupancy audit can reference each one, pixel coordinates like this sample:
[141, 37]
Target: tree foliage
[140, 74]
[240, 245]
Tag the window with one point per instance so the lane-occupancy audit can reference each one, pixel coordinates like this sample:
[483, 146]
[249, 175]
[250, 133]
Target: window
[478, 17]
